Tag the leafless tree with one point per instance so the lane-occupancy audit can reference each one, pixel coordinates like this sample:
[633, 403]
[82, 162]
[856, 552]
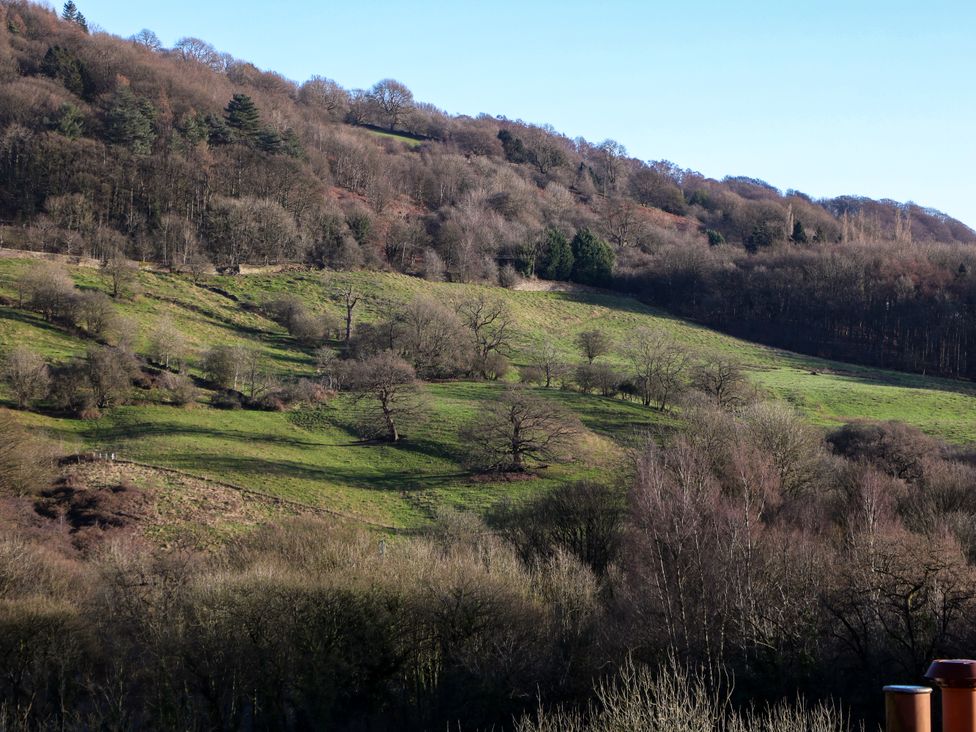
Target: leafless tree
[147, 39]
[121, 274]
[234, 367]
[518, 429]
[350, 298]
[95, 313]
[26, 375]
[794, 446]
[110, 372]
[490, 323]
[334, 371]
[49, 289]
[593, 344]
[194, 49]
[178, 242]
[659, 364]
[722, 379]
[432, 337]
[324, 94]
[393, 99]
[389, 385]
[26, 463]
[548, 359]
[168, 347]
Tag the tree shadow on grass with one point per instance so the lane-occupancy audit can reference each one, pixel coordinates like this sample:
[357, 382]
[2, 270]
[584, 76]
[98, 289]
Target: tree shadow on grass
[127, 429]
[255, 468]
[34, 321]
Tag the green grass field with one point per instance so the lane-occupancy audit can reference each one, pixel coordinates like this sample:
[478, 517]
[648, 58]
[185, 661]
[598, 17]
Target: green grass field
[409, 141]
[313, 456]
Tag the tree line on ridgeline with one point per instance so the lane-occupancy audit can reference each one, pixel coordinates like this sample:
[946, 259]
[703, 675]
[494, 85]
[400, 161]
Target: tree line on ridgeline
[193, 159]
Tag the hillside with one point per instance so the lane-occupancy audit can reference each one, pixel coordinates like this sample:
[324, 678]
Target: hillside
[192, 159]
[312, 454]
[322, 408]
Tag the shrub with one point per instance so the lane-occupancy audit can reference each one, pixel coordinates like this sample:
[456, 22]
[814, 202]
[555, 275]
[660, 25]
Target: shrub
[532, 375]
[675, 699]
[495, 366]
[26, 462]
[225, 399]
[179, 387]
[509, 277]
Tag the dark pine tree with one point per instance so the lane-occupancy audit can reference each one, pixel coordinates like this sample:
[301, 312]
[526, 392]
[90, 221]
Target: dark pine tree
[799, 235]
[70, 12]
[592, 259]
[59, 63]
[270, 141]
[514, 148]
[555, 257]
[131, 121]
[244, 119]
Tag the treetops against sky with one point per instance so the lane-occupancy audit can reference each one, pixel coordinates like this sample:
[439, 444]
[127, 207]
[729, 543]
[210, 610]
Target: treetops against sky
[829, 98]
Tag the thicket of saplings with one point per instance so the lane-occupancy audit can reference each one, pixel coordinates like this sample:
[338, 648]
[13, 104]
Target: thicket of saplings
[748, 559]
[382, 363]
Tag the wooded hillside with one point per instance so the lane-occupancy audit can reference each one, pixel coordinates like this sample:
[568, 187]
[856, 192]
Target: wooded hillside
[192, 158]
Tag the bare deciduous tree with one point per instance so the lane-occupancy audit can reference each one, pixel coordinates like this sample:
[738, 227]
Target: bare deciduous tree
[95, 313]
[324, 94]
[517, 429]
[234, 367]
[659, 365]
[147, 39]
[433, 338]
[722, 379]
[547, 359]
[390, 386]
[393, 100]
[48, 288]
[26, 464]
[194, 49]
[593, 344]
[109, 372]
[26, 375]
[490, 323]
[168, 346]
[121, 274]
[350, 298]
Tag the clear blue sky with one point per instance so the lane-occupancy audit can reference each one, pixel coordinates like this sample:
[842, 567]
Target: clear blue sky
[828, 97]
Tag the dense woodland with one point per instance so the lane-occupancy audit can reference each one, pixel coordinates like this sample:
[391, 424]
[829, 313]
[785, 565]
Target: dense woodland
[192, 159]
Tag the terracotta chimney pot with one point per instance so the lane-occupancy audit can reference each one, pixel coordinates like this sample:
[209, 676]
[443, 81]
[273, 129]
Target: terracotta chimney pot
[956, 677]
[908, 709]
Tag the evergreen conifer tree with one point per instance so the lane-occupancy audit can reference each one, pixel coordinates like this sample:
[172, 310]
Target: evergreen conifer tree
[556, 257]
[592, 259]
[131, 121]
[244, 119]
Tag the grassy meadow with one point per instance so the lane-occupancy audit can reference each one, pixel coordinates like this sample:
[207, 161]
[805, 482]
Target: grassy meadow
[312, 455]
